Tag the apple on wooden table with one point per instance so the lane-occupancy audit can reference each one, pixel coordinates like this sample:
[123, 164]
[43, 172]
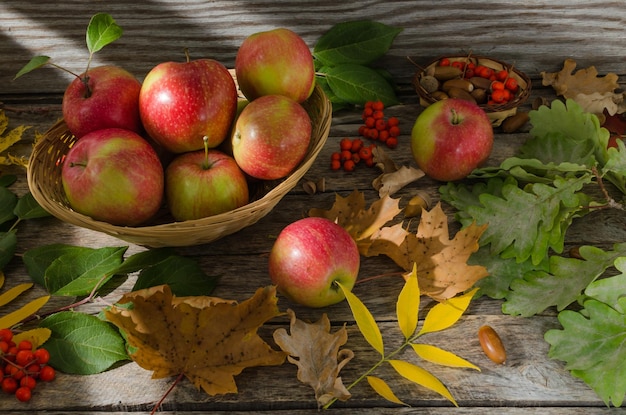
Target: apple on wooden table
[451, 138]
[182, 102]
[113, 175]
[307, 259]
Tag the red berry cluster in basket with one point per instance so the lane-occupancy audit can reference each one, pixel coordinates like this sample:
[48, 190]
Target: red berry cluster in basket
[503, 87]
[352, 152]
[22, 366]
[378, 128]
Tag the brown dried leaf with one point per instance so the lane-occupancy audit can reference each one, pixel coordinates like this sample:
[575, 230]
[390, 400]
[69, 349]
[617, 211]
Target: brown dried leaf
[351, 213]
[442, 268]
[208, 339]
[593, 93]
[316, 352]
[392, 178]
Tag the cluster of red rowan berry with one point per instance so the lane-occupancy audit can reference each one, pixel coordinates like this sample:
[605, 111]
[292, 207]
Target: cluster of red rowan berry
[352, 152]
[503, 86]
[21, 366]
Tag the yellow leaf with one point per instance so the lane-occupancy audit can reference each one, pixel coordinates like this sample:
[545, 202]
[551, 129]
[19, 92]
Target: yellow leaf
[36, 336]
[381, 388]
[1, 278]
[365, 321]
[407, 307]
[4, 121]
[445, 314]
[11, 294]
[422, 377]
[27, 310]
[12, 137]
[441, 357]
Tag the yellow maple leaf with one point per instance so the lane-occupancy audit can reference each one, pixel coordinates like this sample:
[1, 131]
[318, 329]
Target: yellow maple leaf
[442, 268]
[210, 340]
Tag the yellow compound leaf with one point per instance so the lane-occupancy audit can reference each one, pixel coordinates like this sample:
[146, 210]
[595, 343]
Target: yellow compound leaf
[382, 388]
[365, 321]
[27, 310]
[11, 294]
[445, 314]
[36, 336]
[422, 377]
[439, 356]
[407, 307]
[1, 278]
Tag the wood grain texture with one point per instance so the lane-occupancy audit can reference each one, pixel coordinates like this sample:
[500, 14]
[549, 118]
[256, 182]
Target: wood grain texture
[535, 35]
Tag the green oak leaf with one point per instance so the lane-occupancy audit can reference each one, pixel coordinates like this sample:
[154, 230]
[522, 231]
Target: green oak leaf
[611, 291]
[82, 344]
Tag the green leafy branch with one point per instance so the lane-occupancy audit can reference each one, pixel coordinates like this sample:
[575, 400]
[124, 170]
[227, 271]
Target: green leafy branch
[440, 317]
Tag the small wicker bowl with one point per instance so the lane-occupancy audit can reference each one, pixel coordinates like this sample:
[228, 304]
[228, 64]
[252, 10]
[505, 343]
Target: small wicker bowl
[496, 114]
[44, 181]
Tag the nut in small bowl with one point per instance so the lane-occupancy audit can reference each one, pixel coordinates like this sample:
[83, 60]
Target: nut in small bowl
[497, 87]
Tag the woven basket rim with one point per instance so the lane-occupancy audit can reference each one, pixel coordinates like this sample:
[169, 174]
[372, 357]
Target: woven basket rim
[43, 177]
[523, 80]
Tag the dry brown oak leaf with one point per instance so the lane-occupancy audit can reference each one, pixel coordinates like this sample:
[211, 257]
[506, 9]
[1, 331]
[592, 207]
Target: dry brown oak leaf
[316, 352]
[442, 269]
[208, 339]
[350, 213]
[593, 93]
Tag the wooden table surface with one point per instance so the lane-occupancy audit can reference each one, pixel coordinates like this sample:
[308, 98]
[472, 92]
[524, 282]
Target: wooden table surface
[536, 36]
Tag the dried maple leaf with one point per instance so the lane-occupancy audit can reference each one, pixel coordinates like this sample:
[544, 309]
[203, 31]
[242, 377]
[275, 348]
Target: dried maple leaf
[441, 262]
[392, 178]
[593, 93]
[351, 214]
[316, 352]
[208, 339]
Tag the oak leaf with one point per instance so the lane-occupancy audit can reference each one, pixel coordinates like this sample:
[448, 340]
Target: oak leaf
[209, 340]
[392, 177]
[350, 213]
[441, 262]
[593, 93]
[316, 352]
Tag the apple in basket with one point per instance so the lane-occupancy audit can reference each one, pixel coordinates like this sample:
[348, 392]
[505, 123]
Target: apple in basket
[182, 102]
[451, 138]
[271, 137]
[308, 257]
[277, 61]
[103, 97]
[204, 183]
[115, 176]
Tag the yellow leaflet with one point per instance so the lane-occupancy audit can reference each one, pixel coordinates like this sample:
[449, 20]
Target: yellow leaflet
[11, 294]
[4, 122]
[422, 377]
[12, 137]
[441, 357]
[445, 314]
[1, 278]
[29, 309]
[365, 321]
[407, 307]
[36, 336]
[381, 388]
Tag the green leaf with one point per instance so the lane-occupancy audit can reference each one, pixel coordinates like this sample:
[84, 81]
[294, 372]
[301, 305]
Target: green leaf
[39, 258]
[563, 284]
[8, 244]
[364, 321]
[8, 201]
[593, 348]
[408, 304]
[101, 31]
[359, 42]
[144, 259]
[445, 314]
[82, 344]
[382, 388]
[34, 63]
[28, 208]
[612, 290]
[77, 273]
[184, 276]
[357, 84]
[422, 377]
[7, 180]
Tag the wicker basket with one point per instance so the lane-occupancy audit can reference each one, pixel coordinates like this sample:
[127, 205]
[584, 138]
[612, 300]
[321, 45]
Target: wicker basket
[496, 114]
[44, 181]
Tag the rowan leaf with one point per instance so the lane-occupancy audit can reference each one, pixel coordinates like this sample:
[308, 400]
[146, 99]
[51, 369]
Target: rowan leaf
[207, 339]
[7, 139]
[422, 377]
[37, 336]
[365, 321]
[382, 388]
[316, 352]
[444, 314]
[408, 304]
[27, 310]
[439, 356]
[350, 213]
[12, 293]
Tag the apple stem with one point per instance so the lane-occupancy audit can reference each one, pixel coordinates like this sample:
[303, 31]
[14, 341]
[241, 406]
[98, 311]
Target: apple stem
[455, 116]
[205, 165]
[187, 55]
